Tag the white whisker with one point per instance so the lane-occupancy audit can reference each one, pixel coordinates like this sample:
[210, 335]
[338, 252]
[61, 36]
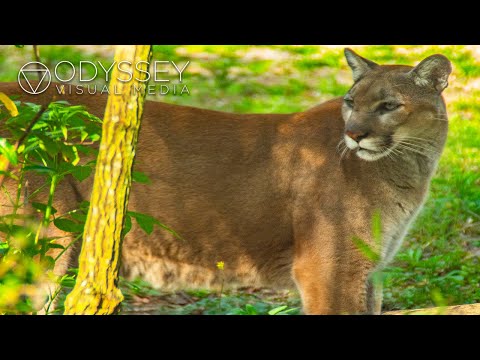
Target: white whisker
[406, 137]
[342, 149]
[415, 150]
[420, 146]
[396, 152]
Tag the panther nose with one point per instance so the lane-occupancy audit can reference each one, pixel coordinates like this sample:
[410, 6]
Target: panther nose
[357, 136]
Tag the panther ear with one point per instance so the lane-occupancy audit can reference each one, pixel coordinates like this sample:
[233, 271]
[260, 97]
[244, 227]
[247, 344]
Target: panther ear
[358, 64]
[432, 72]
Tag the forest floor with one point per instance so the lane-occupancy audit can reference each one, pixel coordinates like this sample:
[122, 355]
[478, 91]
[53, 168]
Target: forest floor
[143, 300]
[439, 261]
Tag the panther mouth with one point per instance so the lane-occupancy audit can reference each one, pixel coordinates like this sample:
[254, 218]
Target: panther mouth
[367, 151]
[367, 154]
[371, 155]
[370, 149]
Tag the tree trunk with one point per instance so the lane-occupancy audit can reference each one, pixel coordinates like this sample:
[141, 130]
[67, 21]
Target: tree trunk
[96, 290]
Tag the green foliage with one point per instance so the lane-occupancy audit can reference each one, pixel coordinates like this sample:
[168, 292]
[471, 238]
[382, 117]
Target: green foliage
[146, 223]
[137, 287]
[58, 144]
[68, 225]
[238, 304]
[139, 295]
[366, 249]
[8, 150]
[284, 310]
[50, 150]
[370, 251]
[140, 177]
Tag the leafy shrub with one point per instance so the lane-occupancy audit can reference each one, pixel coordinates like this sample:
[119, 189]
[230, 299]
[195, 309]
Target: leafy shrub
[50, 142]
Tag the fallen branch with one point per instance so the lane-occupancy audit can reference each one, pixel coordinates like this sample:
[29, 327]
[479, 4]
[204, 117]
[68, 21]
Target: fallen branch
[469, 309]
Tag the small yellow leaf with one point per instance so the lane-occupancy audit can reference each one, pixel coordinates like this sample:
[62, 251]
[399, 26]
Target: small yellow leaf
[220, 265]
[9, 104]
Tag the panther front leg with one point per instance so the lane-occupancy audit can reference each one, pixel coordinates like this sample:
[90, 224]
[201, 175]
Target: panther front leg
[331, 279]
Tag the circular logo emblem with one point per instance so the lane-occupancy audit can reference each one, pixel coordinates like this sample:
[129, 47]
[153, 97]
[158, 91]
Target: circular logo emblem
[34, 77]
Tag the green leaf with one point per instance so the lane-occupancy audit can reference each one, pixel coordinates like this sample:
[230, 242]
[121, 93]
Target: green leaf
[237, 311]
[55, 246]
[48, 145]
[290, 311]
[146, 222]
[95, 137]
[42, 207]
[140, 177]
[68, 225]
[83, 135]
[84, 205]
[276, 310]
[417, 255]
[8, 150]
[75, 121]
[81, 172]
[171, 231]
[65, 168]
[377, 227]
[438, 298]
[377, 278]
[31, 145]
[9, 174]
[250, 309]
[79, 216]
[366, 249]
[127, 226]
[9, 105]
[11, 229]
[67, 281]
[48, 262]
[87, 150]
[4, 248]
[40, 169]
[70, 154]
[64, 132]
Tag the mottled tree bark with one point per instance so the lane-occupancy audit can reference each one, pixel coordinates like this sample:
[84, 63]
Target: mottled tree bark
[96, 290]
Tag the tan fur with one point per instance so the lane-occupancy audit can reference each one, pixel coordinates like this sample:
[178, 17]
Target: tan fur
[269, 194]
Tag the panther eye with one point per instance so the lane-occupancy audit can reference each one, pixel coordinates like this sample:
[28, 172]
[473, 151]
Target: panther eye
[348, 101]
[390, 106]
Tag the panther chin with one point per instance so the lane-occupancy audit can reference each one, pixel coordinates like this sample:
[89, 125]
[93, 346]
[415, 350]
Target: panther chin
[370, 155]
[368, 149]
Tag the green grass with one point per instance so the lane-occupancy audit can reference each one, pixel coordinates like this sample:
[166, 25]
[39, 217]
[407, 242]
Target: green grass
[439, 261]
